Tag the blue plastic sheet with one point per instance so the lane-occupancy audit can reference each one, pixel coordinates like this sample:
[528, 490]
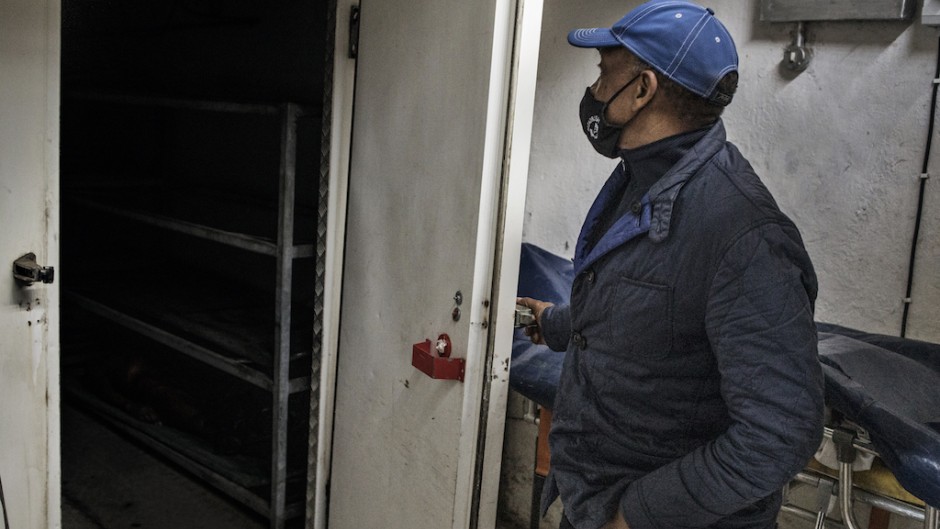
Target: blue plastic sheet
[890, 386]
[536, 368]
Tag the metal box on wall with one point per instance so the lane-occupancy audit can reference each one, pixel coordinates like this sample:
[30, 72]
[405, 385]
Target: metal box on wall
[806, 10]
[930, 14]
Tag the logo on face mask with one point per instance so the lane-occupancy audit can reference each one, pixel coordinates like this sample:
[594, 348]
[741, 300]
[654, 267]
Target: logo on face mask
[593, 126]
[603, 136]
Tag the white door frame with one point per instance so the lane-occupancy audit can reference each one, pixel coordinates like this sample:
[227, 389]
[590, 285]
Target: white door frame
[30, 54]
[523, 30]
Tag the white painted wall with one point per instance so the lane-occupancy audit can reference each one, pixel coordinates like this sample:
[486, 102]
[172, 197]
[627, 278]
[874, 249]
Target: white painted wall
[839, 145]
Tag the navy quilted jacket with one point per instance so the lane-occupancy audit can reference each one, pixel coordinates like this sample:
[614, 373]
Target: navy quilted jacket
[691, 391]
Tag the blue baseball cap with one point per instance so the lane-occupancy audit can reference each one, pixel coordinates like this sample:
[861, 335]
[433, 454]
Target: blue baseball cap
[682, 40]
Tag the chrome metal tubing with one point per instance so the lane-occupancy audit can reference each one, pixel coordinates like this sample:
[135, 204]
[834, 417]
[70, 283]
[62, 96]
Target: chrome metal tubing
[807, 514]
[888, 504]
[931, 518]
[845, 495]
[891, 505]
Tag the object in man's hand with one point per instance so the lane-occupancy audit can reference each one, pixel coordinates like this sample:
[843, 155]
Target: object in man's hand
[524, 316]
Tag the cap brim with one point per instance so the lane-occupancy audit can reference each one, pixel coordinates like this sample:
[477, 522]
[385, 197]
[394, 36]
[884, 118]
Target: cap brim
[593, 38]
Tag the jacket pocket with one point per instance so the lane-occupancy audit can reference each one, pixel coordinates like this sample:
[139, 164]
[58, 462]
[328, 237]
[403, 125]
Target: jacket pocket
[640, 323]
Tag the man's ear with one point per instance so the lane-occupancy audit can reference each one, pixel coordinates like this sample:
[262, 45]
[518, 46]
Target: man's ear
[647, 86]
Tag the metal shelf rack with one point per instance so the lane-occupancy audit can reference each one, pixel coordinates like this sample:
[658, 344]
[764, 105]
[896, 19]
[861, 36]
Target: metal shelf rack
[221, 348]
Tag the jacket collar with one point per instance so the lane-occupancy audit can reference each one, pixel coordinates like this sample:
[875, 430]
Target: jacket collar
[664, 192]
[658, 203]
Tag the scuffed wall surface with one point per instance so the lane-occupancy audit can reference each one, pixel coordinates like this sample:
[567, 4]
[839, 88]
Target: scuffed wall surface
[840, 146]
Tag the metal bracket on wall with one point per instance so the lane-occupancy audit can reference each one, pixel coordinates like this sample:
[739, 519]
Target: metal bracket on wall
[803, 10]
[796, 56]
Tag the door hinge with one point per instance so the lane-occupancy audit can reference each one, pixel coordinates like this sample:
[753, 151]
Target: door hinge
[354, 32]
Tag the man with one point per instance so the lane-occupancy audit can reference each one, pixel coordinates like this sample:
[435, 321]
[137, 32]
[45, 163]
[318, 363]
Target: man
[690, 392]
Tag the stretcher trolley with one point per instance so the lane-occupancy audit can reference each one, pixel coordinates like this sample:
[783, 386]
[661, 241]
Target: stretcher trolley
[882, 437]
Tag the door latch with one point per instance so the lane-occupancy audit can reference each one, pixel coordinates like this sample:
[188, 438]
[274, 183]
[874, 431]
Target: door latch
[433, 359]
[26, 271]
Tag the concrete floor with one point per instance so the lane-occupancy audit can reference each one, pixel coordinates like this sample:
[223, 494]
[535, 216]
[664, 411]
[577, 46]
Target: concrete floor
[109, 483]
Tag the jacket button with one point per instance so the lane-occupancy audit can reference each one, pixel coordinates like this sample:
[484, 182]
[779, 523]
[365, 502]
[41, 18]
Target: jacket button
[579, 340]
[589, 275]
[636, 208]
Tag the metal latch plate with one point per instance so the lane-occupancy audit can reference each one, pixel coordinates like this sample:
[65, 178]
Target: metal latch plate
[26, 270]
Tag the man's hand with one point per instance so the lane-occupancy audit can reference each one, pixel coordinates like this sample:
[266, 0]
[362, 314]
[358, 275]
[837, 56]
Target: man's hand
[534, 332]
[617, 523]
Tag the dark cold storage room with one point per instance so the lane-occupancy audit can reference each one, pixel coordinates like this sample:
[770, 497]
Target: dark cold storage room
[190, 169]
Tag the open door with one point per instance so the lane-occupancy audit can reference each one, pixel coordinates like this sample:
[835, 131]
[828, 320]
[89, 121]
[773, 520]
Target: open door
[444, 95]
[29, 202]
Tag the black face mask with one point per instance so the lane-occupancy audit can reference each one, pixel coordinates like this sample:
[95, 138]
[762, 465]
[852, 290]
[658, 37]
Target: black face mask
[603, 136]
